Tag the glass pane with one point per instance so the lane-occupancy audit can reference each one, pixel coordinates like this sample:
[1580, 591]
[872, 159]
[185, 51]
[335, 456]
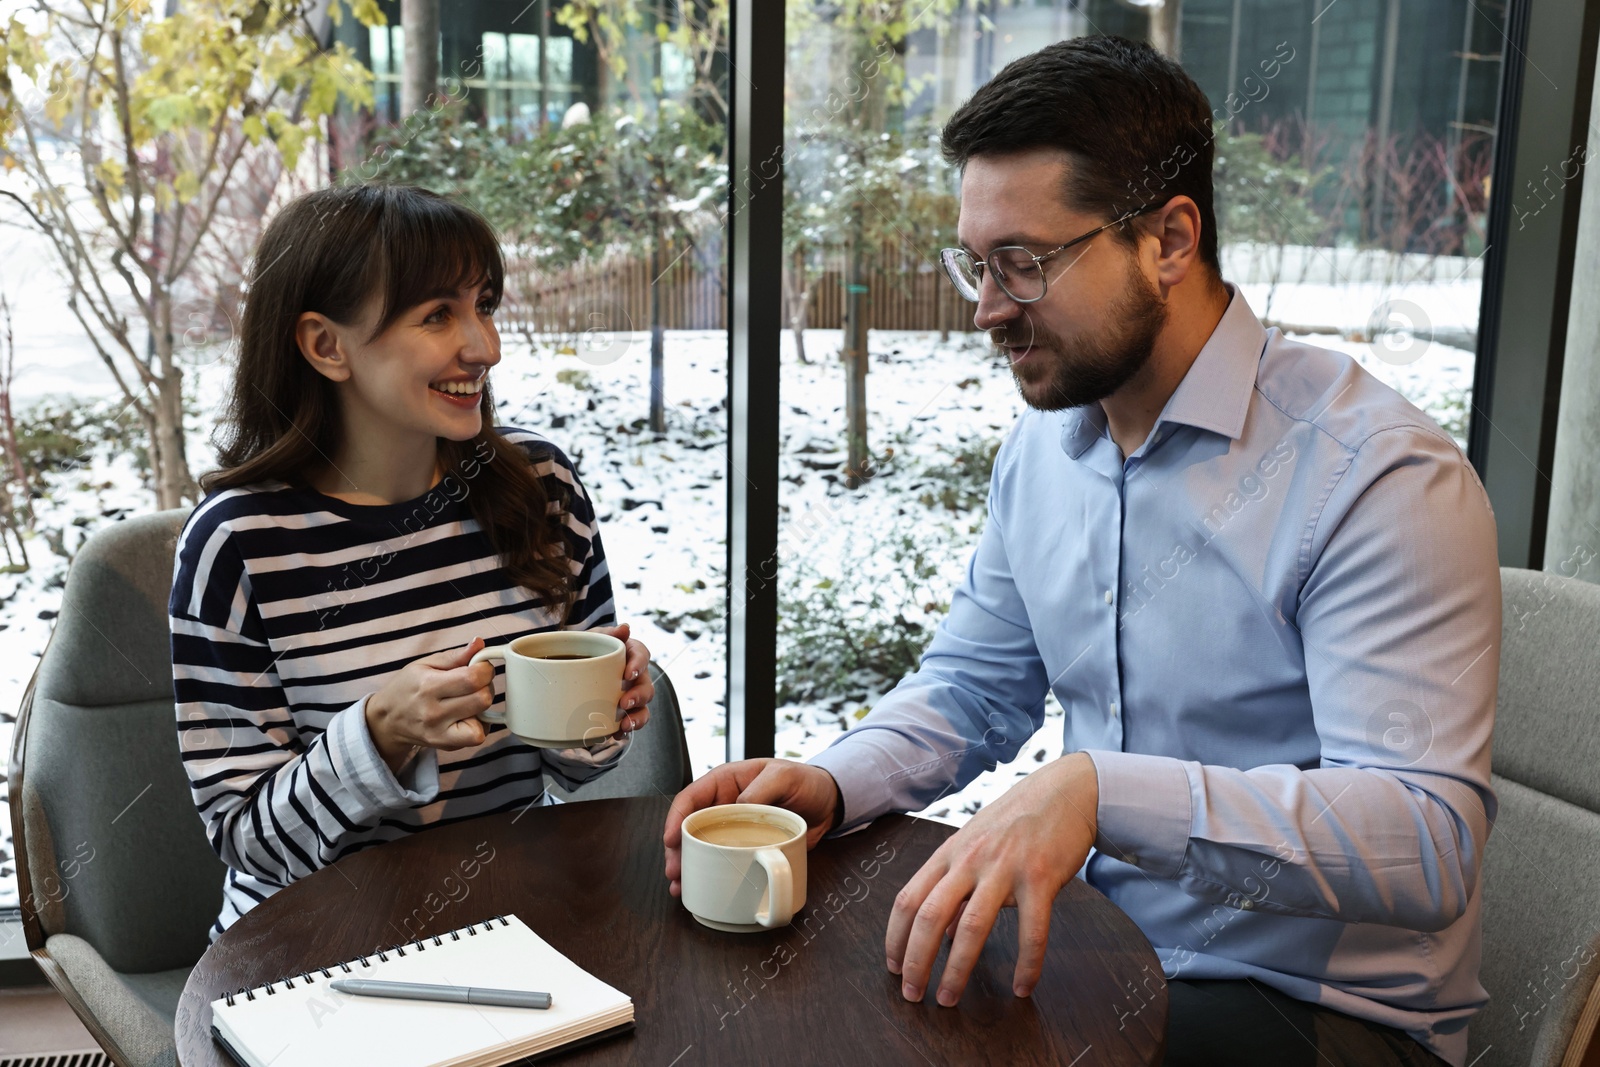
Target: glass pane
[496, 114]
[379, 36]
[677, 70]
[523, 58]
[494, 57]
[1354, 151]
[558, 53]
[1353, 183]
[601, 263]
[596, 257]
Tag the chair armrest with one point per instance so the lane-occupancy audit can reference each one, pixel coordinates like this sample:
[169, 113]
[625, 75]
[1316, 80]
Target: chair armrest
[127, 1029]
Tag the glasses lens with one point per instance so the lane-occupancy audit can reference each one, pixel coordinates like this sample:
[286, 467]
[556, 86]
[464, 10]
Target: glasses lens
[1019, 274]
[963, 272]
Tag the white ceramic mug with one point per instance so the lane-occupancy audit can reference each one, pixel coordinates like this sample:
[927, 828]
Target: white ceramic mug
[749, 888]
[559, 703]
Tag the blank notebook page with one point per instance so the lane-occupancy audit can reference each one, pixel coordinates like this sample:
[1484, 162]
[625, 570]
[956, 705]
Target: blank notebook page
[311, 1024]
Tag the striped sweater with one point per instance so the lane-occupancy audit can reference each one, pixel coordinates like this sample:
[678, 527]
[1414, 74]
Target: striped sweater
[289, 608]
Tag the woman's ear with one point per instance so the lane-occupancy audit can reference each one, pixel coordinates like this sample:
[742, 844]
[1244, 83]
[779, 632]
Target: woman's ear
[318, 338]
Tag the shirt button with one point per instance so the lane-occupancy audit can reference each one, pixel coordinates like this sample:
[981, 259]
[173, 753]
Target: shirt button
[1113, 708]
[1109, 598]
[1247, 904]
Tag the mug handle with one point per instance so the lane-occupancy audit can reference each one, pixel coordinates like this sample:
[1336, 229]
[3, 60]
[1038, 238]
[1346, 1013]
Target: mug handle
[495, 652]
[780, 888]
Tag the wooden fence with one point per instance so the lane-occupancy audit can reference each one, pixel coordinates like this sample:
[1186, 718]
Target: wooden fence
[903, 293]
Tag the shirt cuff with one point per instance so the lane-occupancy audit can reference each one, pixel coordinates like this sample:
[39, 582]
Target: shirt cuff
[366, 777]
[861, 782]
[1145, 810]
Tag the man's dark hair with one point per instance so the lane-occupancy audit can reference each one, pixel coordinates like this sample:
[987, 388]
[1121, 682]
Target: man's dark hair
[1137, 128]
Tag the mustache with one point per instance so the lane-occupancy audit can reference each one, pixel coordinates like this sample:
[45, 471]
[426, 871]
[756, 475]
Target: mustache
[1022, 332]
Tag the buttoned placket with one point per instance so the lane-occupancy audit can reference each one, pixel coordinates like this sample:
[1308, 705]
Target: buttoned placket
[1105, 458]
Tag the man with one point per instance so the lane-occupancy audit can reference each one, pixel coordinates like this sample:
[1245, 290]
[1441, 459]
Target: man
[1262, 586]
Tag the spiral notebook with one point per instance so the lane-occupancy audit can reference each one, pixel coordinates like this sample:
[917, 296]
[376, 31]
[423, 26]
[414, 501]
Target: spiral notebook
[300, 1022]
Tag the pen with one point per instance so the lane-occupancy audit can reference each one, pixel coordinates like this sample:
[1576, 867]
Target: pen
[457, 994]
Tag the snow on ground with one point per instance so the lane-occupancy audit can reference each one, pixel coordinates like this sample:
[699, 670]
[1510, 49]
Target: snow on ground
[662, 499]
[662, 502]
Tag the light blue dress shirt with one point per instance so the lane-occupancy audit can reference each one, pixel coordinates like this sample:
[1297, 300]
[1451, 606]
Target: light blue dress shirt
[1275, 629]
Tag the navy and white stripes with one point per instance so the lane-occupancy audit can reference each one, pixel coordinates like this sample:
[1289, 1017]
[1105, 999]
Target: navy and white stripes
[289, 608]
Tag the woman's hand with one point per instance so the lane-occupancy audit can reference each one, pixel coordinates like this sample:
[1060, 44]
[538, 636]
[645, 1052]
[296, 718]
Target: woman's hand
[433, 702]
[637, 690]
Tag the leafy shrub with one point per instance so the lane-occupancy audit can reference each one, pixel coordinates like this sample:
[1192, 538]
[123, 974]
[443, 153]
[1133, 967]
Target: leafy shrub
[58, 436]
[962, 484]
[575, 377]
[855, 631]
[1450, 412]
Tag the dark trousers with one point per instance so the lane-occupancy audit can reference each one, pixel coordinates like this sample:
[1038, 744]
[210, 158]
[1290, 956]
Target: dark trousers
[1247, 1024]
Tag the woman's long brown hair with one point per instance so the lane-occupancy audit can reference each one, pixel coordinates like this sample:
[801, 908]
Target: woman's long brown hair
[329, 252]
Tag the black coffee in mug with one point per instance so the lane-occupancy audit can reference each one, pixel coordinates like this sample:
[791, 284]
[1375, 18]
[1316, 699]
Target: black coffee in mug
[563, 655]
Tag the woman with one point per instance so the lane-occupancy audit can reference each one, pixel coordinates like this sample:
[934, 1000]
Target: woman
[367, 529]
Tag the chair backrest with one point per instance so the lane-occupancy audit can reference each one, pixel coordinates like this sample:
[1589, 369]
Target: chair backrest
[1541, 871]
[109, 846]
[657, 760]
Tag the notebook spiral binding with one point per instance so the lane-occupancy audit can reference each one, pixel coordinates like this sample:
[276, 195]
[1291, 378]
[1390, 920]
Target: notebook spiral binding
[306, 977]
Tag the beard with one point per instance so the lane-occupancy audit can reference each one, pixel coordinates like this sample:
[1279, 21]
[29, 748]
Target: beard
[1060, 374]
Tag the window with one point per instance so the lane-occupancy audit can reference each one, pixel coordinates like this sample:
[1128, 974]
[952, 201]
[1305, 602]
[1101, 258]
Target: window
[1354, 143]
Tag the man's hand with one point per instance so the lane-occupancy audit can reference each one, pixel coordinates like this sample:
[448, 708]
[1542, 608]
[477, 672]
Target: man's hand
[807, 791]
[1019, 850]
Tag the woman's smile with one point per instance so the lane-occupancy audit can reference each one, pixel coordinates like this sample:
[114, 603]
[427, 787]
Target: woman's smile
[459, 392]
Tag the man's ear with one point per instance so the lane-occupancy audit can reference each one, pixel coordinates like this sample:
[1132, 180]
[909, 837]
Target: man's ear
[318, 339]
[1177, 226]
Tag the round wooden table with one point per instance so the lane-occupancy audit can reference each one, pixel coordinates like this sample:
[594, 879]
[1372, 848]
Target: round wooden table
[587, 877]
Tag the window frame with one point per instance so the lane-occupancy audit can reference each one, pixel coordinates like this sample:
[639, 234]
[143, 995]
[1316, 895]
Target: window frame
[1528, 266]
[1517, 371]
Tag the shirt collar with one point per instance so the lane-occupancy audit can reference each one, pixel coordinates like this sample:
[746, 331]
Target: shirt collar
[1213, 395]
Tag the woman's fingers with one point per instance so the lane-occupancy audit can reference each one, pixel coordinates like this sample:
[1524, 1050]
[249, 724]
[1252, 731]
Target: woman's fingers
[454, 657]
[462, 732]
[637, 695]
[462, 680]
[638, 661]
[456, 709]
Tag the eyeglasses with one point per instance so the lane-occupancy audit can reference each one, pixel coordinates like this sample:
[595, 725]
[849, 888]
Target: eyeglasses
[1020, 273]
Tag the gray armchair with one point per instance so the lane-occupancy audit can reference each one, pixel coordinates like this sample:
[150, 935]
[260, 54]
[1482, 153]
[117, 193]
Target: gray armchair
[657, 760]
[1541, 871]
[119, 886]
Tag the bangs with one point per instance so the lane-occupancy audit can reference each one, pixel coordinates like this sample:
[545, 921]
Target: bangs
[428, 247]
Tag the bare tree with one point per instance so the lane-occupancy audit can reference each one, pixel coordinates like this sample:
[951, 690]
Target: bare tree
[13, 519]
[130, 131]
[420, 80]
